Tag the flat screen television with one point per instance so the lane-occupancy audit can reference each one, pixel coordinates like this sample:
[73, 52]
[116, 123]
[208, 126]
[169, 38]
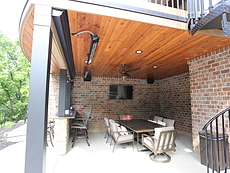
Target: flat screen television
[120, 92]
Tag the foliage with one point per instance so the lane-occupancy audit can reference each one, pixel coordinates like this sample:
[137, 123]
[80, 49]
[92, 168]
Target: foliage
[14, 79]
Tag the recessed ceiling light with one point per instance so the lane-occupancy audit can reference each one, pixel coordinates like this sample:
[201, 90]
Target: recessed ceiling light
[154, 66]
[138, 51]
[85, 61]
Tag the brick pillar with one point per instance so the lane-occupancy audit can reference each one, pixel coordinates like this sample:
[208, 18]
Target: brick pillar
[61, 135]
[209, 88]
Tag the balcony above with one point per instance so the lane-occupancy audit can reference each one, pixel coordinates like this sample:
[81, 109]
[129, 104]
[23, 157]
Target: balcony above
[159, 31]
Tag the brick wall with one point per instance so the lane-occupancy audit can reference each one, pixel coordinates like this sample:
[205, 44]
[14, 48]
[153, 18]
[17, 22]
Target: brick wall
[210, 88]
[168, 97]
[175, 101]
[53, 95]
[209, 91]
[95, 93]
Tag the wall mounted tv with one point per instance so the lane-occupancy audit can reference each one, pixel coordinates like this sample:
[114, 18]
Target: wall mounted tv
[120, 92]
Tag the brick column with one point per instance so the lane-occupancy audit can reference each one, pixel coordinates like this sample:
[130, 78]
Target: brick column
[61, 135]
[209, 88]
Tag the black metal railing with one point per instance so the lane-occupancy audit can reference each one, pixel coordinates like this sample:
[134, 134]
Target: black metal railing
[14, 115]
[178, 4]
[215, 134]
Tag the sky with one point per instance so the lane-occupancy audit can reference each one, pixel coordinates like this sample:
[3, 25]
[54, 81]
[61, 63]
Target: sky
[9, 17]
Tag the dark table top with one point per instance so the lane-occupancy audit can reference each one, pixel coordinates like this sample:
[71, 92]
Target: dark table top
[139, 125]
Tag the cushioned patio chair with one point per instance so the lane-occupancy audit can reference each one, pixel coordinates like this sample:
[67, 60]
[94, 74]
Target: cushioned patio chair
[169, 122]
[120, 135]
[108, 131]
[162, 142]
[157, 118]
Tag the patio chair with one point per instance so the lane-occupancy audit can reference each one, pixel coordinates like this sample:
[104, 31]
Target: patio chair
[161, 123]
[108, 131]
[169, 122]
[120, 136]
[162, 142]
[83, 118]
[80, 127]
[157, 118]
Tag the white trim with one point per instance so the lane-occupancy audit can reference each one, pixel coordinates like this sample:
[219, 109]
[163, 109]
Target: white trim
[106, 11]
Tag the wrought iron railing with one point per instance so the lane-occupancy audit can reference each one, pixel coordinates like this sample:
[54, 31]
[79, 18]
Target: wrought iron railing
[15, 114]
[216, 148]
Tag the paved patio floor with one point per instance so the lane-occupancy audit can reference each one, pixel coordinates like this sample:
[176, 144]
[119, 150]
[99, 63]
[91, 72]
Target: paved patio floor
[99, 158]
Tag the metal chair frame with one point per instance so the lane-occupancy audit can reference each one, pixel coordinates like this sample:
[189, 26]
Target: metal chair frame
[119, 135]
[80, 124]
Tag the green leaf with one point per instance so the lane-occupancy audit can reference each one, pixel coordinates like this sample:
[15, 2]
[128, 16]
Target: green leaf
[14, 76]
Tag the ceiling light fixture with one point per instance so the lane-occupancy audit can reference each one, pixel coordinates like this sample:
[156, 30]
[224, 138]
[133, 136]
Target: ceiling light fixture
[155, 66]
[123, 76]
[138, 51]
[93, 46]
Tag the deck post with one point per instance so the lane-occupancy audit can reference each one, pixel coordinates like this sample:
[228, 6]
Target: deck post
[36, 138]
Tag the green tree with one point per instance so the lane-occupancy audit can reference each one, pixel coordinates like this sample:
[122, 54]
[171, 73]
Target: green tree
[14, 78]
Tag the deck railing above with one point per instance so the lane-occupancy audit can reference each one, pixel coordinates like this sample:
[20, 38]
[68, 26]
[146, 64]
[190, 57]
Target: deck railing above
[179, 4]
[137, 7]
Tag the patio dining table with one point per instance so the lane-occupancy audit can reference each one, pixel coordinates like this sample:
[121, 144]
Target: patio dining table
[139, 126]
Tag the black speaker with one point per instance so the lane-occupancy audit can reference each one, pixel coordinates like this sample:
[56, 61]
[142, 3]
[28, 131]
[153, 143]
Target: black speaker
[88, 78]
[150, 81]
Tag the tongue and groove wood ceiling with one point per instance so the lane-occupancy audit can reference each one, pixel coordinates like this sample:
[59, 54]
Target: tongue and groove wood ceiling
[167, 48]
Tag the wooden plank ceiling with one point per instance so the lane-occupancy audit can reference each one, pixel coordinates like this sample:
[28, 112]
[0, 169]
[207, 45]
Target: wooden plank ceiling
[167, 48]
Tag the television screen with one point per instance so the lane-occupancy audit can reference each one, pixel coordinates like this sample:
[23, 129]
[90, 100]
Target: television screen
[121, 92]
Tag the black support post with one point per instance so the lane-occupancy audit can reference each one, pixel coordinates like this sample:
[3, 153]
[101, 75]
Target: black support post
[38, 101]
[62, 93]
[68, 94]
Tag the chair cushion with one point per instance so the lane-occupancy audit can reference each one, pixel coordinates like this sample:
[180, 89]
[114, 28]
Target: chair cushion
[114, 128]
[157, 118]
[148, 141]
[169, 122]
[160, 129]
[126, 117]
[123, 138]
[122, 130]
[161, 123]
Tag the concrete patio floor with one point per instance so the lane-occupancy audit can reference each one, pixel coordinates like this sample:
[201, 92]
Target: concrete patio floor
[99, 158]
